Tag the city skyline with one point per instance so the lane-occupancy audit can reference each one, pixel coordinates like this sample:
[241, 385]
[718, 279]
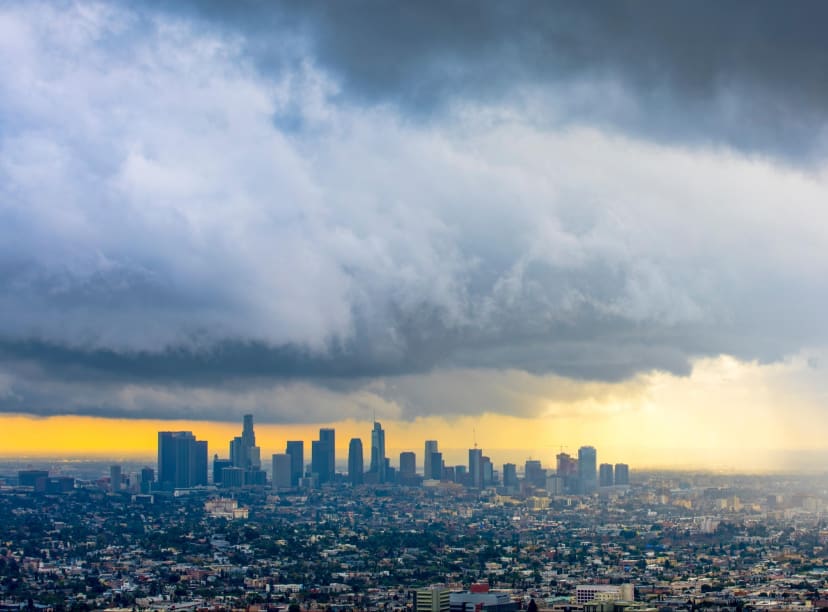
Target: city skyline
[511, 440]
[556, 225]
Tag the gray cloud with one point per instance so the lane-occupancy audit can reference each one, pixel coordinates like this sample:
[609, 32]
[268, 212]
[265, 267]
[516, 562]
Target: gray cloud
[196, 217]
[742, 74]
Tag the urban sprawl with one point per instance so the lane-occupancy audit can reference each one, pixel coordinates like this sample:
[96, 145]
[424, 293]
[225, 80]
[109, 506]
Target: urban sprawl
[576, 537]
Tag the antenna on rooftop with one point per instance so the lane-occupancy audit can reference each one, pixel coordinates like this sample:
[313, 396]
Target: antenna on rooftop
[474, 436]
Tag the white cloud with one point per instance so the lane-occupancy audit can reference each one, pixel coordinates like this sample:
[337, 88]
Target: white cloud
[159, 192]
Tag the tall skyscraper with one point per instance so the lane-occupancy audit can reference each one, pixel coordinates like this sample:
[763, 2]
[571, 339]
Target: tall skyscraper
[430, 447]
[114, 478]
[476, 467]
[587, 469]
[147, 478]
[327, 437]
[378, 453]
[605, 477]
[356, 462]
[296, 450]
[243, 450]
[488, 471]
[281, 471]
[510, 479]
[436, 466]
[319, 461]
[566, 465]
[408, 465]
[182, 460]
[534, 473]
[622, 474]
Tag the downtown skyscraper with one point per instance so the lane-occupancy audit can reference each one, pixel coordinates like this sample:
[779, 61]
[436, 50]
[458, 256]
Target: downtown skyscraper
[296, 450]
[378, 461]
[182, 460]
[243, 450]
[323, 455]
[356, 462]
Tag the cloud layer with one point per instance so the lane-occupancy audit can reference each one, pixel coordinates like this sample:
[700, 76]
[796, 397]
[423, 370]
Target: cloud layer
[203, 213]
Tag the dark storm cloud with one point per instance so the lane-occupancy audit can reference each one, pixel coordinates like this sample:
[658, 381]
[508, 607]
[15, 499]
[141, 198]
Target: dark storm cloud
[745, 74]
[308, 210]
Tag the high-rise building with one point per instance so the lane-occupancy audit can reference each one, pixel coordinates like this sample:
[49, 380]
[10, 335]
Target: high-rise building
[510, 479]
[243, 450]
[319, 461]
[378, 453]
[622, 474]
[408, 464]
[432, 599]
[605, 477]
[232, 477]
[436, 467]
[218, 466]
[566, 466]
[587, 469]
[114, 478]
[533, 473]
[296, 450]
[182, 460]
[488, 471]
[281, 471]
[430, 447]
[147, 478]
[476, 468]
[356, 462]
[327, 437]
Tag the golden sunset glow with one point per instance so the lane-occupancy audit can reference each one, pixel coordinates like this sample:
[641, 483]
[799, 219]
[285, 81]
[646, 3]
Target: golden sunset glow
[727, 414]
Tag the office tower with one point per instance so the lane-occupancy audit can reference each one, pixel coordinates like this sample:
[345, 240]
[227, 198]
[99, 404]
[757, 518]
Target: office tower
[510, 479]
[622, 474]
[296, 450]
[328, 438]
[378, 453]
[408, 464]
[430, 447]
[218, 466]
[605, 478]
[243, 450]
[587, 469]
[147, 477]
[114, 478]
[281, 471]
[565, 465]
[182, 460]
[432, 599]
[487, 471]
[232, 477]
[319, 461]
[200, 463]
[356, 462]
[533, 473]
[476, 468]
[436, 467]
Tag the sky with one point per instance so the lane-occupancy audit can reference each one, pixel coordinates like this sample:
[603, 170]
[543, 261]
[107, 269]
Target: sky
[534, 225]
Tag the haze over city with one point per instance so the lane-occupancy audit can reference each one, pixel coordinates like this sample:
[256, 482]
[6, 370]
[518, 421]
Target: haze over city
[526, 226]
